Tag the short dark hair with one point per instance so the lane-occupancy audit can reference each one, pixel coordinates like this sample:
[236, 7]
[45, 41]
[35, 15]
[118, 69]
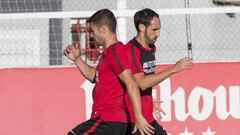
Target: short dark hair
[104, 17]
[144, 17]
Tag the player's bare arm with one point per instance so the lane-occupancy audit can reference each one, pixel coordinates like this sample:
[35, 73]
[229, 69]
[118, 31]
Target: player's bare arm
[134, 94]
[87, 71]
[73, 53]
[148, 81]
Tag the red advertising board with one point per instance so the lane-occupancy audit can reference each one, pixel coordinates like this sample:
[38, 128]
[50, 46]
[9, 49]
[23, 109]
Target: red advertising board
[201, 101]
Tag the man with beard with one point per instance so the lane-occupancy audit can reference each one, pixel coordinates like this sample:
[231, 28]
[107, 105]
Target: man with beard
[141, 52]
[112, 76]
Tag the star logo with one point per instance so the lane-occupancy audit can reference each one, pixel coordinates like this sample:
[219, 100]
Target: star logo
[186, 132]
[209, 132]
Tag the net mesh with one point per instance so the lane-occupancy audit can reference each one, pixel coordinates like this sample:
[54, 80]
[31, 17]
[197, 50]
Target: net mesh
[38, 40]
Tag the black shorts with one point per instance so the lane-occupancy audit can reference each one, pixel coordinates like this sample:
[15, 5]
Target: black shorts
[99, 127]
[158, 129]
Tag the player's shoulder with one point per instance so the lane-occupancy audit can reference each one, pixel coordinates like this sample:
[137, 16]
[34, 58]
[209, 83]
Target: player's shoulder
[118, 47]
[130, 45]
[115, 48]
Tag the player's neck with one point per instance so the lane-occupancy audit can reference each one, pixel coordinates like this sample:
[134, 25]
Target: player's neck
[142, 41]
[111, 39]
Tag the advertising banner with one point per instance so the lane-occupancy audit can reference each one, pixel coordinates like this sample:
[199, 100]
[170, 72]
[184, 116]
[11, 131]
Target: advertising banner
[52, 101]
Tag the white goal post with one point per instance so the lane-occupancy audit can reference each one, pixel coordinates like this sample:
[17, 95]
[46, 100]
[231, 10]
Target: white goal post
[119, 13]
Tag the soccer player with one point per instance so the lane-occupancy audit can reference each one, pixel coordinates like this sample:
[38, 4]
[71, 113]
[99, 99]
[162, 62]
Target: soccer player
[141, 52]
[112, 77]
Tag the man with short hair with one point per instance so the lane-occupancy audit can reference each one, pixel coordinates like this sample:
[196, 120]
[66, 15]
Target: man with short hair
[112, 77]
[141, 52]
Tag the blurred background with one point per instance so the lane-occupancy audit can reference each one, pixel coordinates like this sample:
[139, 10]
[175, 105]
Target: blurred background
[38, 32]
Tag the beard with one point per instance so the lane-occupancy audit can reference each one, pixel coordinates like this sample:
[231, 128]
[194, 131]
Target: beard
[150, 41]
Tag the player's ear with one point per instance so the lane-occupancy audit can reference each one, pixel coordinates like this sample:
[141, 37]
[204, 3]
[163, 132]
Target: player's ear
[142, 27]
[103, 29]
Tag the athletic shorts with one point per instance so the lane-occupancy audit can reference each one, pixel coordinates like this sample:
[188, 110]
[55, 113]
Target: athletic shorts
[158, 129]
[98, 127]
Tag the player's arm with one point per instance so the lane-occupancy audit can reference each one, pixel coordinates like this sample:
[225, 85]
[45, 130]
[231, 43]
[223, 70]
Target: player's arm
[87, 71]
[134, 94]
[147, 81]
[133, 91]
[73, 53]
[120, 65]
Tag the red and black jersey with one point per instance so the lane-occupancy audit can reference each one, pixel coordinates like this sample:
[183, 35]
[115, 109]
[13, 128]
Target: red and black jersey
[108, 93]
[141, 60]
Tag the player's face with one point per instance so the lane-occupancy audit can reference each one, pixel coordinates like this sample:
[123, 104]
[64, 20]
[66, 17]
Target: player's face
[97, 35]
[152, 32]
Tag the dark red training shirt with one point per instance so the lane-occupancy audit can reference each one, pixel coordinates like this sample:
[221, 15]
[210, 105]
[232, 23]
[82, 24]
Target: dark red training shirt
[108, 93]
[141, 60]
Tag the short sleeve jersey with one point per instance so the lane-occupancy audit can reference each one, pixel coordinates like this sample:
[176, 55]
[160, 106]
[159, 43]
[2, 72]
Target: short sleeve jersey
[141, 60]
[108, 93]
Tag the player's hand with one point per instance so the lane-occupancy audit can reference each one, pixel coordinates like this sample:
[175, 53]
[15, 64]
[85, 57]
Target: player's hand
[143, 126]
[157, 110]
[182, 64]
[72, 51]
